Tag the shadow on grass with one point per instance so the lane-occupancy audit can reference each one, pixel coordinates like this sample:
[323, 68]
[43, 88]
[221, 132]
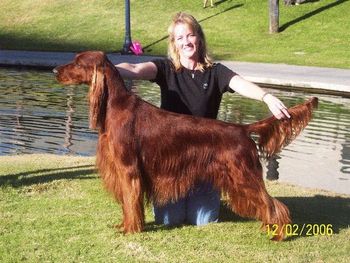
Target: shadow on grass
[7, 40]
[82, 172]
[147, 47]
[313, 211]
[221, 2]
[310, 14]
[310, 213]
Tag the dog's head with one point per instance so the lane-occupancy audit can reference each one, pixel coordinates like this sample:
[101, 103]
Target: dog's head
[89, 68]
[82, 70]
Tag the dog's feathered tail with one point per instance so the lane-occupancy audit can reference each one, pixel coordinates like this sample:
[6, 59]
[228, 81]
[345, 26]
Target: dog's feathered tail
[274, 134]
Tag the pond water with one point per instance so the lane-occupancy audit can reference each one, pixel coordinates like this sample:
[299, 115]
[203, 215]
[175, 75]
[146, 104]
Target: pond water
[38, 115]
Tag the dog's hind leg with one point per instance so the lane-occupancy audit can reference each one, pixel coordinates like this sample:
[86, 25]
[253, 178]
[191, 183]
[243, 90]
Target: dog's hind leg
[249, 198]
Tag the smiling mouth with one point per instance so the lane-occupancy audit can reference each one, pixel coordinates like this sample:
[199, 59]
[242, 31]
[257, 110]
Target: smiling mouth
[188, 48]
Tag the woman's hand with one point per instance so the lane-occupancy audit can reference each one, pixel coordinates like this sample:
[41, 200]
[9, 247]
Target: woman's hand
[276, 106]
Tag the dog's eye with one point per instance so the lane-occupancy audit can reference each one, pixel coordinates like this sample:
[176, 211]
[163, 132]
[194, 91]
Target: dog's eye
[78, 65]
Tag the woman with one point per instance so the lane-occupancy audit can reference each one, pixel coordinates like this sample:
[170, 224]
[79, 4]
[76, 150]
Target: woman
[192, 84]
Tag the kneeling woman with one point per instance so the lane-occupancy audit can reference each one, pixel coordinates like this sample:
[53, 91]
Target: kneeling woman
[192, 84]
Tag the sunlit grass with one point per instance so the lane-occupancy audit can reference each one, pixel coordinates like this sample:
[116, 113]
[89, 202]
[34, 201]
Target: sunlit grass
[315, 33]
[54, 209]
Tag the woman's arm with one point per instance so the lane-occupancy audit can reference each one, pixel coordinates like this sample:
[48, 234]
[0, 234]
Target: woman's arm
[253, 91]
[145, 70]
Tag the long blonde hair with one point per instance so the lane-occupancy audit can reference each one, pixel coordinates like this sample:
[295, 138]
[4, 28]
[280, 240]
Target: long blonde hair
[204, 61]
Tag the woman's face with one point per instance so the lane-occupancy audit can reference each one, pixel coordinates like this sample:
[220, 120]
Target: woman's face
[186, 42]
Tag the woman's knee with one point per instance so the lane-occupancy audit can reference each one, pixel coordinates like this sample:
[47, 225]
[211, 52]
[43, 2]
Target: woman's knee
[203, 205]
[170, 214]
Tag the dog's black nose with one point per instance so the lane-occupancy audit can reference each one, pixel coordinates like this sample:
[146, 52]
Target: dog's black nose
[55, 71]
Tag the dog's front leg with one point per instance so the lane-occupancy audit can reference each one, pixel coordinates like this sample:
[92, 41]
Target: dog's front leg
[132, 203]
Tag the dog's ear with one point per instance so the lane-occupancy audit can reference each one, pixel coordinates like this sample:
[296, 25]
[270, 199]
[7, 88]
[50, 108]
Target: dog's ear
[97, 97]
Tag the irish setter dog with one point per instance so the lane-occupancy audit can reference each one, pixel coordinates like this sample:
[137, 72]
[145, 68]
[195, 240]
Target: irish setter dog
[146, 152]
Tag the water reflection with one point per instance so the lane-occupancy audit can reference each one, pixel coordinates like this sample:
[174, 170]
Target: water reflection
[69, 122]
[39, 115]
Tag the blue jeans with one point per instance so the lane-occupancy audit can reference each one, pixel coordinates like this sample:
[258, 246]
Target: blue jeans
[200, 207]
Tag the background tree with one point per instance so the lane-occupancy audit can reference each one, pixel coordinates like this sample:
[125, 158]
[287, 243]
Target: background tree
[274, 16]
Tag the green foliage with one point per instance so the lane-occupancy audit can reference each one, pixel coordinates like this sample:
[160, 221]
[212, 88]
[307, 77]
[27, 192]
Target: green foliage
[54, 209]
[315, 33]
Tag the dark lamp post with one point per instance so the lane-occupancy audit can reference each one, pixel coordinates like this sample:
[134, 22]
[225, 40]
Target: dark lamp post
[127, 41]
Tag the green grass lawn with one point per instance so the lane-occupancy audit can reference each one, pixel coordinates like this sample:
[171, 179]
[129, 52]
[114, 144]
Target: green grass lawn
[54, 209]
[316, 33]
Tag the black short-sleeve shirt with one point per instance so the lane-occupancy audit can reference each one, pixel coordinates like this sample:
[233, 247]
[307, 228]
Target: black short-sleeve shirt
[192, 92]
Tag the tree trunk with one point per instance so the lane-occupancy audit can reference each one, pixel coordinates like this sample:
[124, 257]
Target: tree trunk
[274, 16]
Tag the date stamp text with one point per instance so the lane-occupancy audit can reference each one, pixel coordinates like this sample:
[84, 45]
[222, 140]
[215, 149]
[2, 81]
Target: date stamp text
[301, 230]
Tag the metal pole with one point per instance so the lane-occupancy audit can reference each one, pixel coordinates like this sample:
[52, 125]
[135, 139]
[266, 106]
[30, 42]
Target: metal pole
[127, 41]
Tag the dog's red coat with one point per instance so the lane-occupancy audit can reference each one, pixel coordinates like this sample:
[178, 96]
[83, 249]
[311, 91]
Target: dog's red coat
[146, 151]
